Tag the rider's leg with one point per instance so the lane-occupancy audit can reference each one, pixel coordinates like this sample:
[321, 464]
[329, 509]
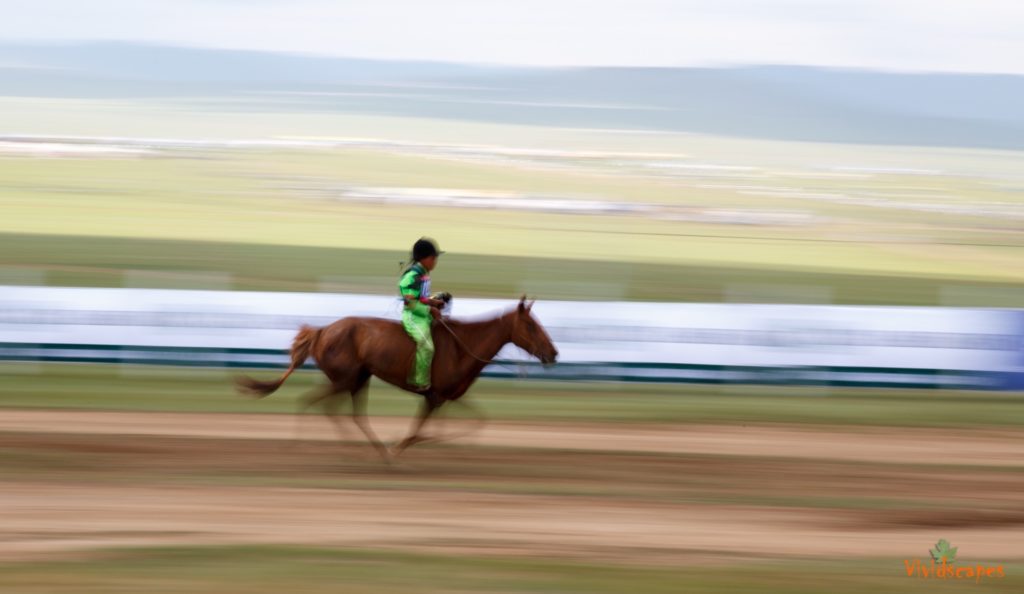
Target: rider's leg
[419, 329]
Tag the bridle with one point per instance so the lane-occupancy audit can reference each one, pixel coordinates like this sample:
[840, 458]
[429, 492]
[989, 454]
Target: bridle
[469, 352]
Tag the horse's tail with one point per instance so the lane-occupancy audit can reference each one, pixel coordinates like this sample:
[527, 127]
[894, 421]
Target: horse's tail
[303, 343]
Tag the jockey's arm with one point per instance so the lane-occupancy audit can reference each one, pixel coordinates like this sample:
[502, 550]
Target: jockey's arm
[430, 302]
[422, 305]
[416, 301]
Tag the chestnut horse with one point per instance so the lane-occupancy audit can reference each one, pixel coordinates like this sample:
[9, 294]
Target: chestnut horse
[353, 349]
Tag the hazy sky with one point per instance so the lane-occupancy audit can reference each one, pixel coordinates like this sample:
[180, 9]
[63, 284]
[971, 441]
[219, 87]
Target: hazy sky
[942, 35]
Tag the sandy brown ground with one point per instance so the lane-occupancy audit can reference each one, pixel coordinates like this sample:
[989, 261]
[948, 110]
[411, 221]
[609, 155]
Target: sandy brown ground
[76, 481]
[986, 447]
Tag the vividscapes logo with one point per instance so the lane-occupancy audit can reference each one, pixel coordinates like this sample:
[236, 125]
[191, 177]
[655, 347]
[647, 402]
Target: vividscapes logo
[942, 566]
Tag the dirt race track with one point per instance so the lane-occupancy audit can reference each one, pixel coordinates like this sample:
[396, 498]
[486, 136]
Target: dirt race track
[76, 481]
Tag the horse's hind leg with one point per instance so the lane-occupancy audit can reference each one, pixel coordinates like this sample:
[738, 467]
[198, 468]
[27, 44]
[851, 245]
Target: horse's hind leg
[332, 400]
[359, 393]
[327, 397]
[332, 404]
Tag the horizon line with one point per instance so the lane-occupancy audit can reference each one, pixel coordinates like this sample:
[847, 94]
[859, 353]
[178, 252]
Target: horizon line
[706, 65]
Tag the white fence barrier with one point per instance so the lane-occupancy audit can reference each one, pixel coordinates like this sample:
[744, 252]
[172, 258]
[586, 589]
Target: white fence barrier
[885, 346]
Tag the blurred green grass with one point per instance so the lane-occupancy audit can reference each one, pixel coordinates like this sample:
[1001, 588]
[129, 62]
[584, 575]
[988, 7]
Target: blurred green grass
[269, 220]
[114, 387]
[265, 569]
[86, 261]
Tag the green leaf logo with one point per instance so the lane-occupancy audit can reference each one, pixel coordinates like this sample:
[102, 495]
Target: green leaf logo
[943, 553]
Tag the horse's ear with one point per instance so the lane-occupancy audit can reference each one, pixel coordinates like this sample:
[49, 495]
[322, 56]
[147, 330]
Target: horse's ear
[529, 305]
[522, 302]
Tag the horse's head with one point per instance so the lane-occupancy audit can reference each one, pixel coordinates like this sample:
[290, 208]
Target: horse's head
[529, 335]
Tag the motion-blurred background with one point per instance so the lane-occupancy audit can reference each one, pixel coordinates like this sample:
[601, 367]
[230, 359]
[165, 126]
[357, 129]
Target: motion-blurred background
[754, 154]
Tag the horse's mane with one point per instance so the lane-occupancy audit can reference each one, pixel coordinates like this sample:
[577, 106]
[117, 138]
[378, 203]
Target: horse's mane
[478, 320]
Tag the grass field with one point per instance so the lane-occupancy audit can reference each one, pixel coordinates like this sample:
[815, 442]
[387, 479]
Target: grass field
[270, 219]
[259, 570]
[112, 387]
[63, 260]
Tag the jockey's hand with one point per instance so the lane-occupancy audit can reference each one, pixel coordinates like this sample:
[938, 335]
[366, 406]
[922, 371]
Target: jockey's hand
[435, 313]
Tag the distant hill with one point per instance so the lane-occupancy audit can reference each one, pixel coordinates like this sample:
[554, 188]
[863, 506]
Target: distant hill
[774, 102]
[155, 63]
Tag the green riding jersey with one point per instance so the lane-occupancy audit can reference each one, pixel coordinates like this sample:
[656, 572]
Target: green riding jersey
[414, 286]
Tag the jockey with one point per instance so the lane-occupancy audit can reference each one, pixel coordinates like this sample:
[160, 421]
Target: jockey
[420, 309]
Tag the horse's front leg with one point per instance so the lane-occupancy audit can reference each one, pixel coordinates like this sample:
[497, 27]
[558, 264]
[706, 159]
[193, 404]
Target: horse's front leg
[414, 436]
[472, 424]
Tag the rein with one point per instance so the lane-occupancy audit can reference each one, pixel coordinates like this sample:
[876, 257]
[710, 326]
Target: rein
[462, 344]
[468, 351]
